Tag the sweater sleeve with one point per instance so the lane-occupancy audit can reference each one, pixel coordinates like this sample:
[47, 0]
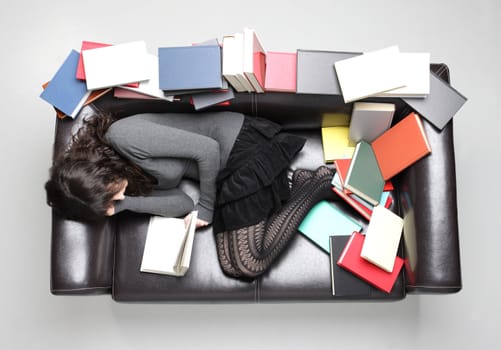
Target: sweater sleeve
[144, 142]
[169, 203]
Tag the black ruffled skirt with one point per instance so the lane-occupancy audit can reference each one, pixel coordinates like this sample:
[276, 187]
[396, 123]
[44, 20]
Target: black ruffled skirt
[254, 182]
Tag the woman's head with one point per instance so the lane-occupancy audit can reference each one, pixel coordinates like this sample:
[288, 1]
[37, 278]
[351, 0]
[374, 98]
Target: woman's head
[84, 190]
[86, 180]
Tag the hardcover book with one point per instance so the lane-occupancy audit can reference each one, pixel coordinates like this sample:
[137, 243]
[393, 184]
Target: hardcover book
[189, 68]
[336, 143]
[401, 146]
[416, 70]
[206, 99]
[168, 246]
[120, 92]
[382, 238]
[315, 74]
[116, 65]
[369, 120]
[351, 260]
[254, 59]
[86, 45]
[370, 74]
[64, 91]
[345, 283]
[280, 71]
[441, 105]
[232, 66]
[150, 87]
[364, 177]
[325, 220]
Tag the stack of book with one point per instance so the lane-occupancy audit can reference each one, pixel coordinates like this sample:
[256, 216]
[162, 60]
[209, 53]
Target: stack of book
[210, 72]
[363, 180]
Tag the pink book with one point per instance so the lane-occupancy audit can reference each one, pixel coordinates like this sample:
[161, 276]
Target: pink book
[119, 92]
[280, 72]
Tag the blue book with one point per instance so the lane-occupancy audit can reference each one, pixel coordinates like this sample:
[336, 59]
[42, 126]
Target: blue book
[190, 68]
[65, 92]
[325, 220]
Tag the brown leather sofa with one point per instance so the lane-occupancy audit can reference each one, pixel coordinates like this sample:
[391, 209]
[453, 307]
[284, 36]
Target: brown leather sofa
[104, 257]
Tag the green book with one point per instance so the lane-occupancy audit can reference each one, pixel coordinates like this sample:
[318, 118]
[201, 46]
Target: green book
[325, 220]
[364, 176]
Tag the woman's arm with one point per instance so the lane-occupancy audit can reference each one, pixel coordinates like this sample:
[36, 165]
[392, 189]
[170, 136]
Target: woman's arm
[143, 141]
[168, 203]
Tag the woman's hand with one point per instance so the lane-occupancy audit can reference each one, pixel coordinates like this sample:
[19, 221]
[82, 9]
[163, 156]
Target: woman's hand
[200, 223]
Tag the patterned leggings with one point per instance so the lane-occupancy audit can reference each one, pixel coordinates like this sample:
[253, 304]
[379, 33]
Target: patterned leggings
[249, 251]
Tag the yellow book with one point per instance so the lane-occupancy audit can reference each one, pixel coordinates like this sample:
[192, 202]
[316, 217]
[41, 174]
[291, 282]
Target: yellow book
[336, 143]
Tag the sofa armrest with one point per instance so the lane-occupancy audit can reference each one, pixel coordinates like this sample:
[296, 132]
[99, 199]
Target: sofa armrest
[81, 256]
[429, 207]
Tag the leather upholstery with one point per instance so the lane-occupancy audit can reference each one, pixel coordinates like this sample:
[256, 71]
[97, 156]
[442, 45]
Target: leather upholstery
[105, 257]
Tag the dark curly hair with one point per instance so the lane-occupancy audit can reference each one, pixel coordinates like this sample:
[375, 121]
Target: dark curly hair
[84, 179]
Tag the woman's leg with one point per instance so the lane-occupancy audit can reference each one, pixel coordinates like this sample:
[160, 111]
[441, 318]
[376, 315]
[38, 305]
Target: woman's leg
[228, 264]
[249, 251]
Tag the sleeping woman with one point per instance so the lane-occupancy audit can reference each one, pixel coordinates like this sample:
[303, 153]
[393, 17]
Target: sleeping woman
[240, 162]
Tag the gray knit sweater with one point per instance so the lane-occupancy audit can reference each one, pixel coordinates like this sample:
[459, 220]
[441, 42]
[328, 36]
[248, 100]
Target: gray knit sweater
[171, 147]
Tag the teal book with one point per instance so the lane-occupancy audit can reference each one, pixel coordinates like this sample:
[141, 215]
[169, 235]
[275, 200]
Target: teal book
[364, 176]
[325, 220]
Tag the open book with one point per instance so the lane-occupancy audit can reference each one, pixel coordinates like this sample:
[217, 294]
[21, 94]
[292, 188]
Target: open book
[168, 245]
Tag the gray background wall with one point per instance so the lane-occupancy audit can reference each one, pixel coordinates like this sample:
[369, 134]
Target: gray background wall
[37, 35]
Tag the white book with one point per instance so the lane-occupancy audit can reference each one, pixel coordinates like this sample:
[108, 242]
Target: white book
[232, 62]
[416, 70]
[168, 247]
[116, 65]
[239, 38]
[369, 120]
[150, 87]
[382, 238]
[370, 74]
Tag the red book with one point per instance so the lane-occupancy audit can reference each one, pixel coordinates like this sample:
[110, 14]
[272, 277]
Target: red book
[88, 45]
[280, 72]
[351, 260]
[361, 209]
[342, 166]
[401, 146]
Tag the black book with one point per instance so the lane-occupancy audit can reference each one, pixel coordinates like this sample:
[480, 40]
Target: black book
[344, 283]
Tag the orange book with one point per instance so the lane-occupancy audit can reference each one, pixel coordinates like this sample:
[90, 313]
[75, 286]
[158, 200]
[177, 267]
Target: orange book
[401, 146]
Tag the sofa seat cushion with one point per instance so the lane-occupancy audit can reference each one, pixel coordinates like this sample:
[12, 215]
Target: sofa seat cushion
[204, 281]
[302, 272]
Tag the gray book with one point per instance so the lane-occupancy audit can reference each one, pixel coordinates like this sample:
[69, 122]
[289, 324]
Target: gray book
[316, 73]
[206, 99]
[369, 120]
[441, 105]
